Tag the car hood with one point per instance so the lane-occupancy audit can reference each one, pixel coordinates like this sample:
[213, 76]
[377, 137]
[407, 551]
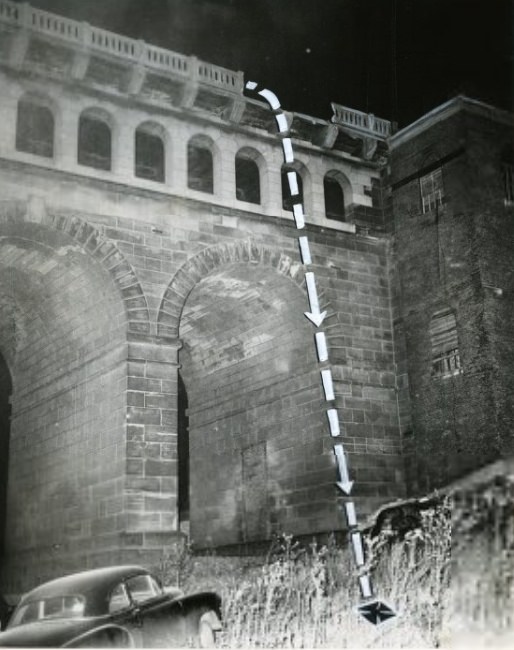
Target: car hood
[45, 634]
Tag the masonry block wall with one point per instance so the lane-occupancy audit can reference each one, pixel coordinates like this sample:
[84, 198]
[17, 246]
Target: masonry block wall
[113, 283]
[261, 457]
[126, 286]
[443, 255]
[63, 340]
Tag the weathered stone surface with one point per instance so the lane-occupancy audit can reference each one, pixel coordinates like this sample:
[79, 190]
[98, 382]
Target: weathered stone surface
[111, 284]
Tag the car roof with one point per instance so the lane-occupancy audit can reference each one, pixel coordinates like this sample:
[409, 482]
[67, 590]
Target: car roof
[99, 582]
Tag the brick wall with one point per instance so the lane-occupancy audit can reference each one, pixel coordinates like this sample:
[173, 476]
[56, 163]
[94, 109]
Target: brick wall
[442, 256]
[488, 141]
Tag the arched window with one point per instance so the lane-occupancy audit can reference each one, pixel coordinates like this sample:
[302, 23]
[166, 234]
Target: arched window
[248, 181]
[445, 344]
[334, 198]
[287, 199]
[200, 168]
[94, 145]
[35, 128]
[149, 154]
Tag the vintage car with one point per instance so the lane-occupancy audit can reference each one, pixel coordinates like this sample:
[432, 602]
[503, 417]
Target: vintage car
[121, 606]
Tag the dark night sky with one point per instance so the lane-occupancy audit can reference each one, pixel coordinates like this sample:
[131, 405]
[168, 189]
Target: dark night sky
[395, 58]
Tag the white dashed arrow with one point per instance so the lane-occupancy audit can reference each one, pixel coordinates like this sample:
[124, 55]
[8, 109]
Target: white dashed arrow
[374, 611]
[314, 315]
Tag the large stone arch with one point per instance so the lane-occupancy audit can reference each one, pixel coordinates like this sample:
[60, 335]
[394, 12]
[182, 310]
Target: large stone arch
[68, 302]
[109, 256]
[259, 462]
[197, 267]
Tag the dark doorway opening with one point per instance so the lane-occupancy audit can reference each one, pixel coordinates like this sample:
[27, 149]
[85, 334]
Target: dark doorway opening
[183, 453]
[5, 426]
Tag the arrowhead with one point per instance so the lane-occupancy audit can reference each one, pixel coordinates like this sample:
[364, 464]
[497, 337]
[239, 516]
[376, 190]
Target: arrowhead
[376, 612]
[317, 319]
[345, 486]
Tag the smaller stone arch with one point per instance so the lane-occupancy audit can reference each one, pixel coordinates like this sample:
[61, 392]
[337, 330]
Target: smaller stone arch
[37, 121]
[251, 175]
[305, 185]
[203, 164]
[338, 194]
[151, 144]
[96, 134]
[197, 267]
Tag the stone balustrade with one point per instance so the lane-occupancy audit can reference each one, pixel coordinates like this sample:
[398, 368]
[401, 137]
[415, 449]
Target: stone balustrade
[131, 50]
[365, 123]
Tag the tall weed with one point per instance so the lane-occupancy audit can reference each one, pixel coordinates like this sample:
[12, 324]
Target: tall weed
[450, 581]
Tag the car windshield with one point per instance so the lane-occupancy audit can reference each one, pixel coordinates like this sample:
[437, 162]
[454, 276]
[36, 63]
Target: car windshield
[51, 608]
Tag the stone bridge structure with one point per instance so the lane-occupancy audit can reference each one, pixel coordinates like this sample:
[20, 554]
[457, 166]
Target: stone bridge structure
[161, 373]
[157, 373]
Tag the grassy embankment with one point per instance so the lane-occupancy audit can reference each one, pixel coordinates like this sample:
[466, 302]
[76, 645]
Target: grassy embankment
[451, 583]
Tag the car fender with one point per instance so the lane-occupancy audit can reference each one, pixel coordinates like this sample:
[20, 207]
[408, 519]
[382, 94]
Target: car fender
[201, 601]
[110, 636]
[200, 607]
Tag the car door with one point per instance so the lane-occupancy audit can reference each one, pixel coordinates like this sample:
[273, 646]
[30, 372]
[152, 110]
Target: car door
[125, 613]
[161, 621]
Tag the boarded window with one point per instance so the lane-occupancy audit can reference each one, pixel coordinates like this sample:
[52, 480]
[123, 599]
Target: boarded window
[200, 172]
[35, 129]
[289, 200]
[334, 199]
[431, 188]
[445, 345]
[248, 182]
[94, 146]
[149, 156]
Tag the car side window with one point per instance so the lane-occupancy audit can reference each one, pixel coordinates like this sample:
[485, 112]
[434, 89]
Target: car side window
[119, 599]
[142, 588]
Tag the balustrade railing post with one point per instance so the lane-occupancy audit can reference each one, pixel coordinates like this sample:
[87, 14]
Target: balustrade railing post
[25, 15]
[191, 87]
[193, 65]
[81, 56]
[85, 34]
[140, 50]
[240, 81]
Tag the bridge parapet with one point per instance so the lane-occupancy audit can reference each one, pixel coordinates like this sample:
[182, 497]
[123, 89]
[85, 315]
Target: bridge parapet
[135, 93]
[132, 51]
[365, 123]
